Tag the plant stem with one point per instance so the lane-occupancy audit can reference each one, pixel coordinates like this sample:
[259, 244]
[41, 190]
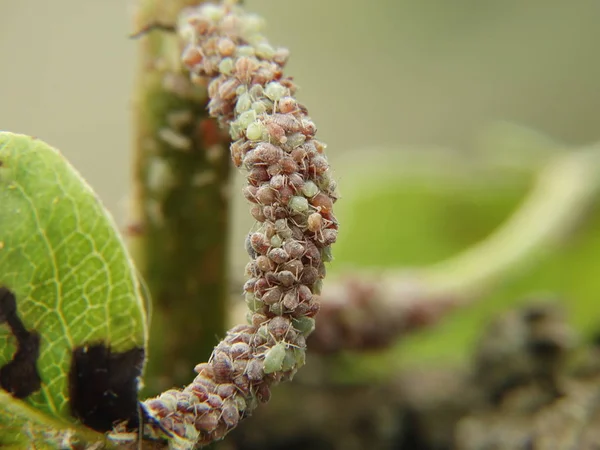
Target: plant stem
[178, 232]
[564, 190]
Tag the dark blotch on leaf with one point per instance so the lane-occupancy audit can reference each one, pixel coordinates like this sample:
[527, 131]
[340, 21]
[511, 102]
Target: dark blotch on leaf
[19, 376]
[103, 386]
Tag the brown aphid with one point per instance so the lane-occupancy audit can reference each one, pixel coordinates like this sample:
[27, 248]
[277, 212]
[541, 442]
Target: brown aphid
[207, 422]
[264, 263]
[250, 193]
[209, 384]
[220, 432]
[286, 121]
[236, 153]
[278, 326]
[258, 175]
[313, 309]
[309, 276]
[288, 165]
[304, 293]
[222, 367]
[308, 127]
[314, 222]
[286, 278]
[318, 165]
[299, 154]
[272, 296]
[239, 349]
[277, 182]
[263, 393]
[274, 169]
[278, 255]
[287, 105]
[312, 254]
[257, 213]
[199, 408]
[276, 132]
[295, 266]
[200, 24]
[252, 269]
[245, 68]
[204, 369]
[285, 194]
[328, 236]
[322, 202]
[268, 153]
[230, 414]
[158, 408]
[290, 300]
[191, 56]
[227, 89]
[214, 400]
[226, 390]
[294, 248]
[261, 286]
[254, 370]
[259, 243]
[258, 319]
[296, 181]
[265, 195]
[242, 383]
[226, 46]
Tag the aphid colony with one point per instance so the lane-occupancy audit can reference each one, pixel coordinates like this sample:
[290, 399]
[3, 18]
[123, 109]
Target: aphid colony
[291, 192]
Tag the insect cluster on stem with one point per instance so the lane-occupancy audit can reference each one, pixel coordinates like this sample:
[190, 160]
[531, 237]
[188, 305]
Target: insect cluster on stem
[291, 191]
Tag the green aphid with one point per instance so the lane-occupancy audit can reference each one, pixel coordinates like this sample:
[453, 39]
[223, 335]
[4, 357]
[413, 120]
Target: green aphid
[274, 358]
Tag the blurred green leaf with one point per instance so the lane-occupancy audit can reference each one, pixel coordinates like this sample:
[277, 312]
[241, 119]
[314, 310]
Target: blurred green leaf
[417, 221]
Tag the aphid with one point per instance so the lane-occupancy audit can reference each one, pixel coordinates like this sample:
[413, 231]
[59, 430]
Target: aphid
[226, 46]
[254, 370]
[214, 400]
[276, 132]
[322, 203]
[286, 278]
[287, 105]
[275, 91]
[314, 222]
[273, 361]
[207, 422]
[222, 367]
[276, 309]
[288, 165]
[245, 68]
[290, 300]
[191, 56]
[289, 360]
[278, 326]
[265, 264]
[298, 204]
[310, 189]
[278, 255]
[272, 296]
[259, 243]
[257, 212]
[265, 195]
[309, 275]
[229, 414]
[304, 325]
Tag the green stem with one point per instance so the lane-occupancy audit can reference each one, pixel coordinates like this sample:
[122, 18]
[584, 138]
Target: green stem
[563, 193]
[178, 234]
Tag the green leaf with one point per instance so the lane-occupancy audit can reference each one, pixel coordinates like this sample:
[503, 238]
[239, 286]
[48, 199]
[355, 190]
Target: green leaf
[62, 257]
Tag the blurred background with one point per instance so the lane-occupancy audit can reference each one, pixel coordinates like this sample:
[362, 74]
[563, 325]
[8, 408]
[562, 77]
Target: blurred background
[437, 115]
